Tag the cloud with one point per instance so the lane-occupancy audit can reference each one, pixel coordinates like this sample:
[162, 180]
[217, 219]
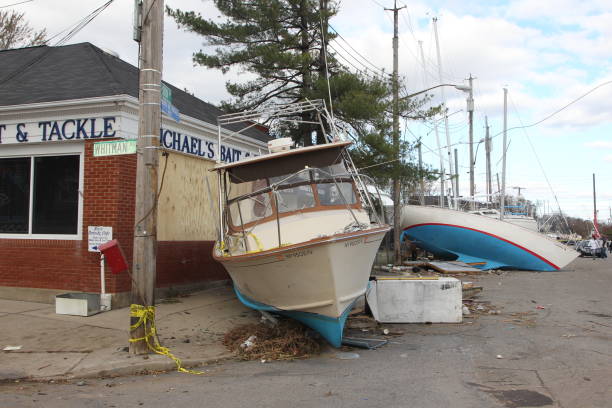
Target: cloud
[605, 144]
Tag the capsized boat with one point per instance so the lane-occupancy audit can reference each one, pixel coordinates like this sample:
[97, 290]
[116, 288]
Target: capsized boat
[519, 219]
[297, 234]
[484, 242]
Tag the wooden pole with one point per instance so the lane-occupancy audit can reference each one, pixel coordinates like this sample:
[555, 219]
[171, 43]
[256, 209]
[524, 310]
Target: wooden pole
[396, 141]
[145, 230]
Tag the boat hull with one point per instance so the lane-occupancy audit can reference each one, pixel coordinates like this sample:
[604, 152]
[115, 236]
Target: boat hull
[485, 242]
[315, 282]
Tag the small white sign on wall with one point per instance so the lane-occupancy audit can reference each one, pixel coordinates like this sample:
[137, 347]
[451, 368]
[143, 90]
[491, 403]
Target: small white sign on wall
[97, 236]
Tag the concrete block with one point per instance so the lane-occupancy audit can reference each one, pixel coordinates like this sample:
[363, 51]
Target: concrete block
[77, 304]
[397, 300]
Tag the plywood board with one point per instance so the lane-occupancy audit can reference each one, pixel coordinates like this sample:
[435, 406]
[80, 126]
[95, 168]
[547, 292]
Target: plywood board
[452, 267]
[186, 211]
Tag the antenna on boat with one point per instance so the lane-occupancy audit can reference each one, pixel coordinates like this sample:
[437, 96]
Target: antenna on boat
[324, 51]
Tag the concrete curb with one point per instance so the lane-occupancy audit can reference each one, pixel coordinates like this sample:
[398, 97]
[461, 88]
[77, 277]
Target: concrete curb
[143, 368]
[157, 364]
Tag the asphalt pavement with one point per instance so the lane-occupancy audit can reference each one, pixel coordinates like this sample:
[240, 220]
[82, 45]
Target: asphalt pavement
[540, 340]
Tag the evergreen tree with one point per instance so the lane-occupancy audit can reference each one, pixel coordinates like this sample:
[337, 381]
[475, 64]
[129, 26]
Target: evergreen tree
[279, 41]
[283, 43]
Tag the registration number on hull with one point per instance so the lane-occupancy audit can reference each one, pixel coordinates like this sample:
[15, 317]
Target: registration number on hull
[353, 243]
[299, 254]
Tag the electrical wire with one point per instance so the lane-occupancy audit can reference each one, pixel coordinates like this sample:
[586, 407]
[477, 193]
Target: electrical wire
[73, 31]
[358, 69]
[557, 111]
[16, 4]
[374, 67]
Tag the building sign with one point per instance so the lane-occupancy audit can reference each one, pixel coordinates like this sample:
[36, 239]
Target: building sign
[200, 147]
[58, 130]
[170, 110]
[97, 236]
[166, 93]
[46, 131]
[114, 148]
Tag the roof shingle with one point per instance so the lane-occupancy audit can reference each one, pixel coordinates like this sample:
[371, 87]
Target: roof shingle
[78, 71]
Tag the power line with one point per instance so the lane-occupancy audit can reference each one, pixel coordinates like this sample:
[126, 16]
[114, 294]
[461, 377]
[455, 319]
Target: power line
[75, 29]
[16, 4]
[358, 69]
[557, 111]
[357, 52]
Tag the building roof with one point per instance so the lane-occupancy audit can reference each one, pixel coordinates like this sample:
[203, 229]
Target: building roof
[78, 71]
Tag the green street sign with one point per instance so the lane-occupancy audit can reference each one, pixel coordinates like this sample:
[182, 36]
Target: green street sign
[166, 93]
[114, 148]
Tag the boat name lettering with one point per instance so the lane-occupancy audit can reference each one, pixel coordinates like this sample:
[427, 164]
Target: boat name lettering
[299, 254]
[353, 243]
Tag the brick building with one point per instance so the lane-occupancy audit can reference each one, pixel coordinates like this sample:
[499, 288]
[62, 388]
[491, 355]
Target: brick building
[57, 191]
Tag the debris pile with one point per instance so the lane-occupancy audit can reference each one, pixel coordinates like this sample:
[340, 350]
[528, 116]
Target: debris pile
[287, 340]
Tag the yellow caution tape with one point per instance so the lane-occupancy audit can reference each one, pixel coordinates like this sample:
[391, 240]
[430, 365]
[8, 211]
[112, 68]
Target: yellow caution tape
[257, 241]
[146, 318]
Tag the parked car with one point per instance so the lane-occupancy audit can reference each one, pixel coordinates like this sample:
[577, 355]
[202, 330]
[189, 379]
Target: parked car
[584, 248]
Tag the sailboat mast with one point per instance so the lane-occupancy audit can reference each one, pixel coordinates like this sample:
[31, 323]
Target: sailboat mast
[502, 204]
[595, 207]
[442, 170]
[448, 144]
[488, 153]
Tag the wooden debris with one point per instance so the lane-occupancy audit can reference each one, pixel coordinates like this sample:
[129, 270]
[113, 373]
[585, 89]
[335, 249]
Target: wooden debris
[288, 340]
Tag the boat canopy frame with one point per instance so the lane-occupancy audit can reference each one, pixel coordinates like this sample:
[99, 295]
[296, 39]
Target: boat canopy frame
[288, 161]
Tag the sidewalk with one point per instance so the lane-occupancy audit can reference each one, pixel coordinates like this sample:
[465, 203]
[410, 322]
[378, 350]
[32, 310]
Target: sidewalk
[62, 346]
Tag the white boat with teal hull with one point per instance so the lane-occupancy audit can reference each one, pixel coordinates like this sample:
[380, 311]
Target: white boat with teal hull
[485, 242]
[297, 234]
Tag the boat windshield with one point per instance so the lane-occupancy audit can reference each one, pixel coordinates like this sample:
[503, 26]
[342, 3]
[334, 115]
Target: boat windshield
[306, 190]
[334, 185]
[294, 192]
[247, 207]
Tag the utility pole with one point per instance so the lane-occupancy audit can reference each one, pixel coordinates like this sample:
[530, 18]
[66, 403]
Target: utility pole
[442, 170]
[502, 204]
[396, 143]
[448, 143]
[470, 107]
[421, 175]
[488, 154]
[149, 123]
[519, 189]
[595, 208]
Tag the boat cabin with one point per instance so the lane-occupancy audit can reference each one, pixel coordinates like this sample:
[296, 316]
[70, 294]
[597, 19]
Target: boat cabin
[289, 197]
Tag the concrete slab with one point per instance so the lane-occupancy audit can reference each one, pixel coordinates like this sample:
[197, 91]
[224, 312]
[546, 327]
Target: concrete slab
[410, 300]
[36, 334]
[17, 365]
[117, 319]
[16, 306]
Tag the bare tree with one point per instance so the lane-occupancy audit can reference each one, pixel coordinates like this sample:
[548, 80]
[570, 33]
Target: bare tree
[15, 31]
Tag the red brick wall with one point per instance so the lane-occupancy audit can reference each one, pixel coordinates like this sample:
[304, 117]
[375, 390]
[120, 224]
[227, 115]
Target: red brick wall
[108, 200]
[184, 262]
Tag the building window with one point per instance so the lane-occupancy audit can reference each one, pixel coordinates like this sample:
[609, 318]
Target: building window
[39, 195]
[14, 195]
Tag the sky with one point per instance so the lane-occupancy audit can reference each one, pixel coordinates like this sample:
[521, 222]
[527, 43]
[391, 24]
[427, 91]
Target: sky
[547, 53]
